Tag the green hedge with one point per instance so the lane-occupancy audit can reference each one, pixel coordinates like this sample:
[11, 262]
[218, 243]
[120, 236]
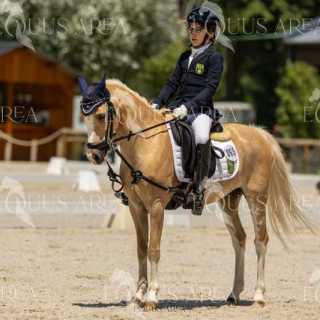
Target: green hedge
[298, 113]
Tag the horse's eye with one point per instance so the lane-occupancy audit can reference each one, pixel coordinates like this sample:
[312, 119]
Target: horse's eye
[100, 116]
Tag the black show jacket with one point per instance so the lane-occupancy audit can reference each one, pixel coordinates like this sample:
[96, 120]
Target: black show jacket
[194, 86]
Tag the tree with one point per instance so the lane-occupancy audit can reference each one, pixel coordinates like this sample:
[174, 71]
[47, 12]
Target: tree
[254, 69]
[157, 69]
[299, 94]
[94, 36]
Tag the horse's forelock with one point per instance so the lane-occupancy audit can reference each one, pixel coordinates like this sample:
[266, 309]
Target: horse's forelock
[102, 109]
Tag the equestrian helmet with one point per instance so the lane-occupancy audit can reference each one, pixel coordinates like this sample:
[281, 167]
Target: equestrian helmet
[205, 17]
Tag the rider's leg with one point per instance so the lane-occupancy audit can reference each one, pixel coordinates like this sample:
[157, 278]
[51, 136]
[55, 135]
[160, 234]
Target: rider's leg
[201, 127]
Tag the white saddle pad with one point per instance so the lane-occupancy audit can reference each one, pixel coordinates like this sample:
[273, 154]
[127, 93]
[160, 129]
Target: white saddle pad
[226, 168]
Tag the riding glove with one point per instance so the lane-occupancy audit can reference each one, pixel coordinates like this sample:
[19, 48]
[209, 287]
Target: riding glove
[180, 112]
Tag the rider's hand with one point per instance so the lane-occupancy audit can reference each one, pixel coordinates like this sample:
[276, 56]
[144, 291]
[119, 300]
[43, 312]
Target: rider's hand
[155, 106]
[181, 112]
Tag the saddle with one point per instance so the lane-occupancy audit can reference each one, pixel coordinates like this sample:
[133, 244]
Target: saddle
[184, 137]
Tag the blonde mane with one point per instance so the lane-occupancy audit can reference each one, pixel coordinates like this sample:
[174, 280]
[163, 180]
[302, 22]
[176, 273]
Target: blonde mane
[114, 84]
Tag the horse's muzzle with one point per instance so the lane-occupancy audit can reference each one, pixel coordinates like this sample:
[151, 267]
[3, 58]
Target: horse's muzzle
[95, 156]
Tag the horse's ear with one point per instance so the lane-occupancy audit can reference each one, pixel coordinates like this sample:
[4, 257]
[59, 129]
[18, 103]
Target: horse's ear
[102, 84]
[82, 84]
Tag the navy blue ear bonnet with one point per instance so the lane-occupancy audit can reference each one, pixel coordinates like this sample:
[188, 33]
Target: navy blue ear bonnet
[93, 96]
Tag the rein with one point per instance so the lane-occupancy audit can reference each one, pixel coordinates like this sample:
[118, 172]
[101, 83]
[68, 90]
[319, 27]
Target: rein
[110, 142]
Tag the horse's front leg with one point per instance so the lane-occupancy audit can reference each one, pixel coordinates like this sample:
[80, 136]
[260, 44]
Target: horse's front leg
[156, 224]
[140, 219]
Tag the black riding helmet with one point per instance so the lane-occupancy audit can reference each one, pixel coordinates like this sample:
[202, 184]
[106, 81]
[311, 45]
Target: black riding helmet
[205, 17]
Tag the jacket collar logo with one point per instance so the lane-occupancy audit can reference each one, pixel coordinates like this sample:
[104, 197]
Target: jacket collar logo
[199, 68]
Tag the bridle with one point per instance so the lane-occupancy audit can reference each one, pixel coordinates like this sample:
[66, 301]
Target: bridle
[105, 144]
[110, 143]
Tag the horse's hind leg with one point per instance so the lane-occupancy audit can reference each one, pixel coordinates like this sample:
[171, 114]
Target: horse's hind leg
[230, 206]
[140, 219]
[257, 203]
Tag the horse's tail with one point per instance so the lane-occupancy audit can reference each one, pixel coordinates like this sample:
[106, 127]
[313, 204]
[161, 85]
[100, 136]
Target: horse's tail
[284, 211]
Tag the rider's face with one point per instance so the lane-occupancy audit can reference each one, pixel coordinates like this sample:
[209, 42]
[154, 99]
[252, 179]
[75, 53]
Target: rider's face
[196, 34]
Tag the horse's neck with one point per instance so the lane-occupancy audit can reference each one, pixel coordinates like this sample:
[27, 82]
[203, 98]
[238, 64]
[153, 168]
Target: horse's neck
[138, 118]
[140, 147]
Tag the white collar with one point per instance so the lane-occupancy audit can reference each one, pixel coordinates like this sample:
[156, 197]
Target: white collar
[197, 51]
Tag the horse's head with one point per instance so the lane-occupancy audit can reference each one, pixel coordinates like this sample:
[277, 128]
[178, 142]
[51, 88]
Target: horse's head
[107, 116]
[97, 109]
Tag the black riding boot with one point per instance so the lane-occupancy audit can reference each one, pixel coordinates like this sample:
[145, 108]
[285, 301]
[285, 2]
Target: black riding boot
[201, 173]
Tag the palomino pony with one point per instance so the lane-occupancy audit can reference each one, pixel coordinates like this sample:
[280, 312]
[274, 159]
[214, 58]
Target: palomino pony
[262, 179]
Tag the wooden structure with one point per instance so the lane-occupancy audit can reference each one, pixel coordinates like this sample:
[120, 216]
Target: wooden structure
[36, 98]
[303, 154]
[304, 44]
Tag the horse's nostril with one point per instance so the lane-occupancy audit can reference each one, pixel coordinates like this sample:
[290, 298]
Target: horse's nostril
[96, 157]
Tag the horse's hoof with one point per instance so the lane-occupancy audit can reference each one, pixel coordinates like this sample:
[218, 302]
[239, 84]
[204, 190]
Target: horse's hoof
[260, 303]
[232, 300]
[150, 306]
[259, 299]
[139, 302]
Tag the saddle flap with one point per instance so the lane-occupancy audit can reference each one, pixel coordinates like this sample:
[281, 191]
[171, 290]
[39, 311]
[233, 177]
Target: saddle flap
[176, 133]
[184, 137]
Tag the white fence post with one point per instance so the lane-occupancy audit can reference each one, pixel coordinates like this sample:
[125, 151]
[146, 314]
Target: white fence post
[8, 151]
[33, 150]
[60, 149]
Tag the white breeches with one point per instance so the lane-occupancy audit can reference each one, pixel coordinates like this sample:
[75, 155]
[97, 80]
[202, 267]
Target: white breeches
[201, 126]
